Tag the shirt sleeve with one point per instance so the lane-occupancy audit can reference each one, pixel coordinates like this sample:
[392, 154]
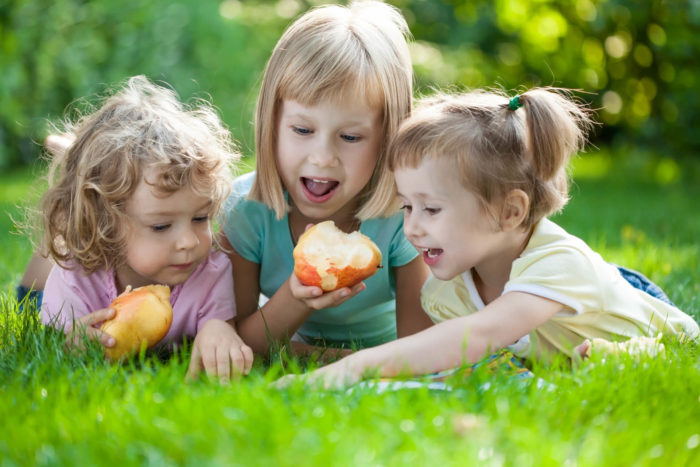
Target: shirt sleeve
[562, 274]
[216, 282]
[244, 220]
[70, 294]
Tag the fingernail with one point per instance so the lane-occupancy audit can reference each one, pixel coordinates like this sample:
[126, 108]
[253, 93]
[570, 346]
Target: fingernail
[110, 341]
[344, 293]
[317, 292]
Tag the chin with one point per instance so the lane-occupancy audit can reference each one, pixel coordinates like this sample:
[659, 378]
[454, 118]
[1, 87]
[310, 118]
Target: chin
[443, 275]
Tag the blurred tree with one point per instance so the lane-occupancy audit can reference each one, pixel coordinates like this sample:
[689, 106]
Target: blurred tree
[640, 59]
[637, 60]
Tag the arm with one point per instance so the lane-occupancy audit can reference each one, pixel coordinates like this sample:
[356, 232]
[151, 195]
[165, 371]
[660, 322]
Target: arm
[68, 308]
[448, 344]
[284, 313]
[410, 317]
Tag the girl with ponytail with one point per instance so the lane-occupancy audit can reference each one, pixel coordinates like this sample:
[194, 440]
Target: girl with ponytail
[478, 175]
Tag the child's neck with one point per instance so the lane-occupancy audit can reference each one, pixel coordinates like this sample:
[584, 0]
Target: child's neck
[490, 277]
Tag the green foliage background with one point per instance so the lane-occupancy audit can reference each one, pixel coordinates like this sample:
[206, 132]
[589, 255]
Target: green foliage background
[637, 60]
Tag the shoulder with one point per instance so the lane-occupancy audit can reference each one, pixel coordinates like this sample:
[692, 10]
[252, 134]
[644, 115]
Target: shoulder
[72, 286]
[240, 188]
[551, 246]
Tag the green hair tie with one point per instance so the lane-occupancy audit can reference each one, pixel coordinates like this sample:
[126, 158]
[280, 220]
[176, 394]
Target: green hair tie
[515, 103]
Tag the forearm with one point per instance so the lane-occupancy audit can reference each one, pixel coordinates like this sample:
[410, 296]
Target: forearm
[443, 346]
[277, 320]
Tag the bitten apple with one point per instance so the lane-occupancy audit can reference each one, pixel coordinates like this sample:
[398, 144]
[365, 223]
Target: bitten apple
[142, 316]
[329, 258]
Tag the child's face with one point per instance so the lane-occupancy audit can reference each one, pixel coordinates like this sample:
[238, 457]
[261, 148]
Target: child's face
[326, 153]
[444, 220]
[169, 235]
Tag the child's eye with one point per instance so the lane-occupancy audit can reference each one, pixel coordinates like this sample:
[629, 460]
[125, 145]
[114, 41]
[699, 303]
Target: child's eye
[160, 227]
[301, 130]
[406, 207]
[350, 138]
[200, 218]
[432, 211]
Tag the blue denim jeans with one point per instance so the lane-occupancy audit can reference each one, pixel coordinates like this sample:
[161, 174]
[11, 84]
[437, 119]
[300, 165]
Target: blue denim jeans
[641, 282]
[26, 295]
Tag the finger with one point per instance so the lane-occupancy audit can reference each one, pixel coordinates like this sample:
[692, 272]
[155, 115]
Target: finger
[237, 361]
[96, 317]
[105, 339]
[249, 358]
[308, 226]
[223, 366]
[208, 358]
[195, 366]
[57, 144]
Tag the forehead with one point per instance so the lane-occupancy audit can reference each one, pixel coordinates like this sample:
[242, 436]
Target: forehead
[355, 111]
[340, 93]
[147, 198]
[431, 178]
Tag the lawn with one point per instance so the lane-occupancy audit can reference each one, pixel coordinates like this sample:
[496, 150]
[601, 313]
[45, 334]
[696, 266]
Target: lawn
[60, 408]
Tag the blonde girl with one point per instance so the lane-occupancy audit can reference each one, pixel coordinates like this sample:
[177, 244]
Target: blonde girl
[478, 174]
[335, 89]
[129, 204]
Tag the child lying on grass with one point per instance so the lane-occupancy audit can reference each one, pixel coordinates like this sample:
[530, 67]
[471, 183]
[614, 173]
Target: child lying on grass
[478, 175]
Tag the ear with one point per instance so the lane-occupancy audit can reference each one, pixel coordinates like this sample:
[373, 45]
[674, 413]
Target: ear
[516, 207]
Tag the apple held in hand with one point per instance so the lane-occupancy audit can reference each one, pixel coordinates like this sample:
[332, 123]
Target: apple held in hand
[329, 258]
[141, 317]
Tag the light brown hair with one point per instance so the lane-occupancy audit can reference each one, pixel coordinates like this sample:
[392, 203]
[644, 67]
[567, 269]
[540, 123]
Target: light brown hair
[141, 126]
[495, 149]
[328, 53]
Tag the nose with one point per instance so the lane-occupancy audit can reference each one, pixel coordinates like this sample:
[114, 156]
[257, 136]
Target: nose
[187, 239]
[323, 154]
[411, 227]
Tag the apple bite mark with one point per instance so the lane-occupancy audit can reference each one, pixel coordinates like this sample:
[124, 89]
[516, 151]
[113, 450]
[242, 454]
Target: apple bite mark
[142, 316]
[319, 190]
[329, 258]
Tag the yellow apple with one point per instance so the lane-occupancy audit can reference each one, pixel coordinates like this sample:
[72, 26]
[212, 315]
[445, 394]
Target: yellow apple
[329, 258]
[142, 316]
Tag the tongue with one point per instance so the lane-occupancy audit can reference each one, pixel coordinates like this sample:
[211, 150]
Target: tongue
[319, 188]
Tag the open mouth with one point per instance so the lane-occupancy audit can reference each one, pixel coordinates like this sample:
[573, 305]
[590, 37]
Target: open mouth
[319, 190]
[431, 255]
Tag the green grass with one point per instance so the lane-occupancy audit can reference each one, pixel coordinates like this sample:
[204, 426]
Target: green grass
[59, 408]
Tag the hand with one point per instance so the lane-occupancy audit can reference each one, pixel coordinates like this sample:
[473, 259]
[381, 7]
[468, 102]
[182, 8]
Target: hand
[313, 297]
[85, 327]
[58, 144]
[220, 351]
[338, 375]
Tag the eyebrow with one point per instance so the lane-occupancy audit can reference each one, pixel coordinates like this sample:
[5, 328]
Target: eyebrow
[310, 119]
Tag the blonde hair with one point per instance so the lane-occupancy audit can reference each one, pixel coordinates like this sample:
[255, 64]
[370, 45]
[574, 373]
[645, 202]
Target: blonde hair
[328, 53]
[495, 149]
[141, 126]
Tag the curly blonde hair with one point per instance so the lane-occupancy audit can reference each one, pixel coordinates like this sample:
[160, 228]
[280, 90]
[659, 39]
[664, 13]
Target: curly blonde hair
[329, 53]
[141, 126]
[495, 149]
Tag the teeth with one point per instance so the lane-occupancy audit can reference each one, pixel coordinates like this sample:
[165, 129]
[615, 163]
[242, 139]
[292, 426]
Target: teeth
[430, 254]
[315, 180]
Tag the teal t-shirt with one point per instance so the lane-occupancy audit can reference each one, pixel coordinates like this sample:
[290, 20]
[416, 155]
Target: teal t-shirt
[367, 319]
